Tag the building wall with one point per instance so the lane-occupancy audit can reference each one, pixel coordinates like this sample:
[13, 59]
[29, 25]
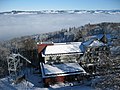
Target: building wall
[63, 79]
[61, 59]
[41, 59]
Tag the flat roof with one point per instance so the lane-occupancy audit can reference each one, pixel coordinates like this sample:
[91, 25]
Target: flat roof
[61, 69]
[68, 48]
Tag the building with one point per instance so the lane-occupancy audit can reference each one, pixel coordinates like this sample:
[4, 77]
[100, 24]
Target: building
[59, 62]
[96, 54]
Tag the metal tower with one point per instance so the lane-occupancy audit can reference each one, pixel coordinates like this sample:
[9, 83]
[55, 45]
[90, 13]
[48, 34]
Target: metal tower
[15, 64]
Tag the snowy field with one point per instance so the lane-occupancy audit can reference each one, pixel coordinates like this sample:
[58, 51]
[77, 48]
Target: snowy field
[25, 85]
[29, 24]
[34, 82]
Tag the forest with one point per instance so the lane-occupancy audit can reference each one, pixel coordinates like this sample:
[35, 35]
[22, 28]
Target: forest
[27, 46]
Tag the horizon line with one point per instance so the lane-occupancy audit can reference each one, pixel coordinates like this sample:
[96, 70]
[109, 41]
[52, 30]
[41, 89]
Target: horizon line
[60, 10]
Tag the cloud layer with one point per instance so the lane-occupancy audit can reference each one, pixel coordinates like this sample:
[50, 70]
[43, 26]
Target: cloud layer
[19, 25]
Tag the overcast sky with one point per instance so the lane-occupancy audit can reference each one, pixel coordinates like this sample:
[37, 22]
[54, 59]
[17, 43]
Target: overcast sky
[8, 5]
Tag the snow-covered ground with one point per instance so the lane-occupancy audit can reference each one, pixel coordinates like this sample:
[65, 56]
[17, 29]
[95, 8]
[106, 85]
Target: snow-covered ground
[26, 85]
[15, 25]
[34, 82]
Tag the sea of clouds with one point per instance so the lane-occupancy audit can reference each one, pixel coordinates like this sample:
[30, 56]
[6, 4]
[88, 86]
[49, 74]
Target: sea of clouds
[28, 24]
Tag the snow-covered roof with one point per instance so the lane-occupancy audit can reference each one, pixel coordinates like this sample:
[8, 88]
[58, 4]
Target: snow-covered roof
[99, 36]
[61, 69]
[59, 49]
[93, 43]
[96, 43]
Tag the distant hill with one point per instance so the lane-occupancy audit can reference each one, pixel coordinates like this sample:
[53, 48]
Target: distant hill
[62, 11]
[81, 33]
